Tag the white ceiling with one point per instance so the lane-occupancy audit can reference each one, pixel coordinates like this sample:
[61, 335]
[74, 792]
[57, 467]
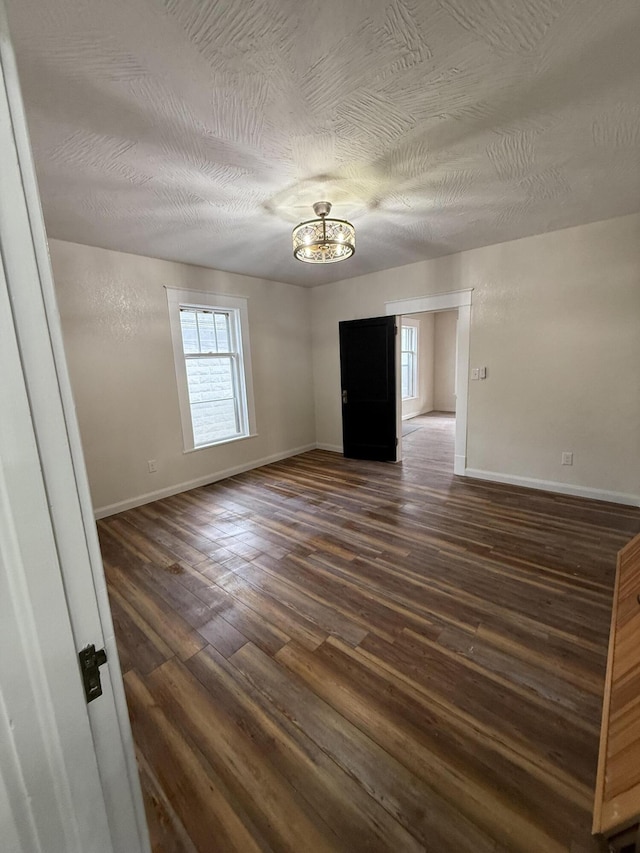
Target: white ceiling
[203, 130]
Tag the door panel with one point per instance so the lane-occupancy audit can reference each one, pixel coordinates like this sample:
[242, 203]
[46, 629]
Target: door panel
[71, 776]
[368, 377]
[47, 761]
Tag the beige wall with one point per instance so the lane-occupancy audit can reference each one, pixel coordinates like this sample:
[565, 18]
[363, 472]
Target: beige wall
[556, 321]
[118, 344]
[426, 343]
[444, 361]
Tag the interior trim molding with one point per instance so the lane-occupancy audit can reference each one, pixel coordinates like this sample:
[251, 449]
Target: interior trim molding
[433, 302]
[554, 486]
[471, 473]
[459, 465]
[332, 448]
[148, 497]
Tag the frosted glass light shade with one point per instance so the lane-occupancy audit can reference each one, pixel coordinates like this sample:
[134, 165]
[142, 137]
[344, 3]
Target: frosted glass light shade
[323, 240]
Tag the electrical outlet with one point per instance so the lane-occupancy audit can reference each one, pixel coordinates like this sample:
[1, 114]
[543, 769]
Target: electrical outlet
[475, 373]
[567, 457]
[152, 464]
[483, 373]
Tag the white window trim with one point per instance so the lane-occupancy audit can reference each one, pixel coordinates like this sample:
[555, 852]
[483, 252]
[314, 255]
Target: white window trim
[416, 325]
[176, 297]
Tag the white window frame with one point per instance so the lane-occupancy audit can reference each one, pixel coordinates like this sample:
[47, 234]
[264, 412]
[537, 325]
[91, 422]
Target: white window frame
[237, 306]
[413, 324]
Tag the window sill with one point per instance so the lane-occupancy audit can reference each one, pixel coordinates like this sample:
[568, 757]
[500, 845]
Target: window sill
[408, 399]
[220, 443]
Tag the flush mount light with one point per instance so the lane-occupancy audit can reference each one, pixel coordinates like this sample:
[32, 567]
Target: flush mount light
[322, 240]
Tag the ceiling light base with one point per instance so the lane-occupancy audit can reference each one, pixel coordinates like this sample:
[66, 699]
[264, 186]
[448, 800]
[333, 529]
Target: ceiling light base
[323, 240]
[322, 208]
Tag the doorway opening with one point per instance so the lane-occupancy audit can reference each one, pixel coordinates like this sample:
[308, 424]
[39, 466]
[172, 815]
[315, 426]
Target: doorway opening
[460, 301]
[428, 390]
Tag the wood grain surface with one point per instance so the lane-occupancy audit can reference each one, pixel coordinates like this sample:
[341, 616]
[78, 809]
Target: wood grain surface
[333, 655]
[617, 801]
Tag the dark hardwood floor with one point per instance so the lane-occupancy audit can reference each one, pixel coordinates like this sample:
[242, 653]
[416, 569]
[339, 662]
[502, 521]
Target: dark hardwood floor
[333, 655]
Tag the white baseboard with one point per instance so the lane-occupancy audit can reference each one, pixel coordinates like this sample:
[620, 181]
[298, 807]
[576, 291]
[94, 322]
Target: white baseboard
[553, 486]
[422, 412]
[459, 468]
[139, 500]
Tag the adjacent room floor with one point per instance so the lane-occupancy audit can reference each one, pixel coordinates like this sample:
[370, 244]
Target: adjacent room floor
[333, 655]
[436, 444]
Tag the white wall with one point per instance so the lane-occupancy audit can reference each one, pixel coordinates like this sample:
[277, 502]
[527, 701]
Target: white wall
[556, 321]
[444, 361]
[118, 344]
[423, 402]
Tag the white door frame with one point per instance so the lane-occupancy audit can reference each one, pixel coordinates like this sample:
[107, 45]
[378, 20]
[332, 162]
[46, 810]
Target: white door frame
[460, 299]
[96, 802]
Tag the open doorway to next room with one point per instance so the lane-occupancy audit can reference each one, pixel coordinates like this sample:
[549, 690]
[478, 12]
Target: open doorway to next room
[428, 385]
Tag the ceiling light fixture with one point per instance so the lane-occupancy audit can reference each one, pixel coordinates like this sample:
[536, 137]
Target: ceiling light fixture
[322, 240]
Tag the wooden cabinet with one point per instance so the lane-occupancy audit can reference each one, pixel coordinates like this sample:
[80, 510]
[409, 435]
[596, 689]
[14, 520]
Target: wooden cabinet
[617, 801]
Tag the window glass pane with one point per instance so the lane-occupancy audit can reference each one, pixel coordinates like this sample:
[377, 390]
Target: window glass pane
[409, 347]
[405, 380]
[222, 329]
[409, 338]
[207, 332]
[213, 420]
[408, 372]
[210, 379]
[212, 399]
[189, 331]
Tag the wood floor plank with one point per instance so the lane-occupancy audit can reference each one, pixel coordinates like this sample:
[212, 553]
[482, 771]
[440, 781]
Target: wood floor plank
[161, 580]
[514, 832]
[207, 811]
[287, 820]
[222, 636]
[550, 656]
[538, 686]
[160, 652]
[123, 531]
[460, 709]
[253, 626]
[139, 647]
[416, 806]
[315, 608]
[295, 624]
[327, 654]
[458, 756]
[169, 625]
[359, 822]
[166, 832]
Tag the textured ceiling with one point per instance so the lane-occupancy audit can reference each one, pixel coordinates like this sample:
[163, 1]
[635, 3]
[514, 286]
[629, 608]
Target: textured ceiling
[203, 130]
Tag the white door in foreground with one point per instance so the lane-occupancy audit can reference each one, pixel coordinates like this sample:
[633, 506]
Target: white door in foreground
[68, 781]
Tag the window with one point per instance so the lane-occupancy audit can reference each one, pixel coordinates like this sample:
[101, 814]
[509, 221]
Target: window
[409, 360]
[210, 342]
